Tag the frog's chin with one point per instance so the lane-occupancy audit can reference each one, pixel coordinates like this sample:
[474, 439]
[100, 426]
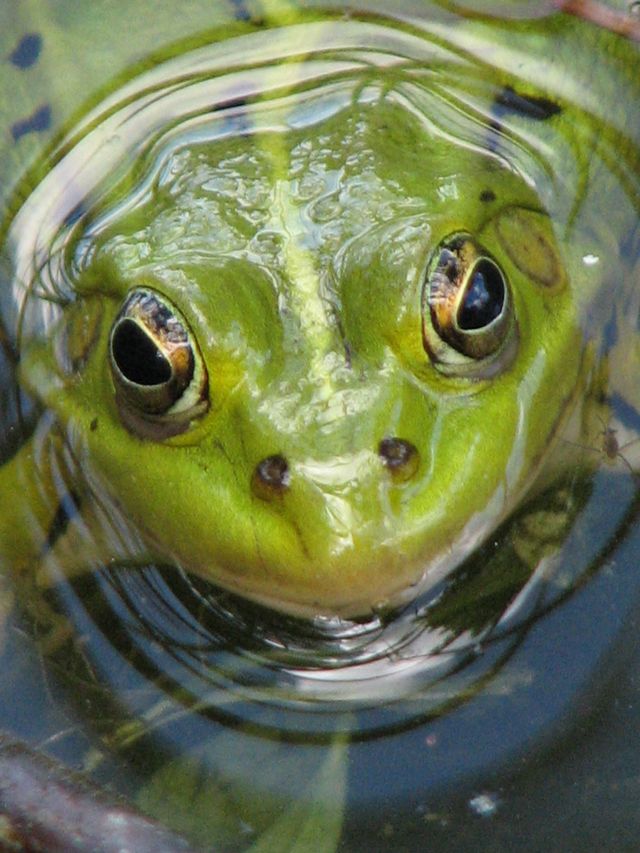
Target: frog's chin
[387, 587]
[350, 583]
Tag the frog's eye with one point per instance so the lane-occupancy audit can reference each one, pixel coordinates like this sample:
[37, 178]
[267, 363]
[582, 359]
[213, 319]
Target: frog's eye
[467, 310]
[156, 366]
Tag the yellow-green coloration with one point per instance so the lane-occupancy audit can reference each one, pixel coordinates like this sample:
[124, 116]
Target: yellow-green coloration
[305, 264]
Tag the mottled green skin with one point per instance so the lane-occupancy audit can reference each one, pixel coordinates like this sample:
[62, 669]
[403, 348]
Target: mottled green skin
[298, 262]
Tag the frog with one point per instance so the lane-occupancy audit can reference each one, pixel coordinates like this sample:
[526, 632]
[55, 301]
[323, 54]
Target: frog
[315, 368]
[422, 422]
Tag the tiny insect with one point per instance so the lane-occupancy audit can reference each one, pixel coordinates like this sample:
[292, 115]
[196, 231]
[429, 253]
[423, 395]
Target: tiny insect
[611, 448]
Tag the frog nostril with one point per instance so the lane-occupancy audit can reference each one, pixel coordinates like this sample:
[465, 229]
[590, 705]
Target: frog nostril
[271, 477]
[400, 457]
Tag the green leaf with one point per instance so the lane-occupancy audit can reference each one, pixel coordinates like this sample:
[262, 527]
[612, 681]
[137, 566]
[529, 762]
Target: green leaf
[312, 824]
[212, 796]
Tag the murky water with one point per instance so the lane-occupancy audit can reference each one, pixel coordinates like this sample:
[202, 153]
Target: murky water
[452, 718]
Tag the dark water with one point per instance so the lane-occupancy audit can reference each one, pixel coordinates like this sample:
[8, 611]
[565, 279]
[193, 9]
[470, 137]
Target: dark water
[497, 712]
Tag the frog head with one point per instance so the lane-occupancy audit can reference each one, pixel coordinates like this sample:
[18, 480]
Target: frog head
[315, 368]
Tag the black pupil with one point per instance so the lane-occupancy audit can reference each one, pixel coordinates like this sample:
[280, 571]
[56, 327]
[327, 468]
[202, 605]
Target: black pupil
[137, 357]
[484, 297]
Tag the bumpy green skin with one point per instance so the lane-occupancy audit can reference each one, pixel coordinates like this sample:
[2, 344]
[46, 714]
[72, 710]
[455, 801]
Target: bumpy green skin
[308, 313]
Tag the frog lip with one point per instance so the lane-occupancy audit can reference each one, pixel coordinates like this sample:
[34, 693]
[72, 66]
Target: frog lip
[343, 601]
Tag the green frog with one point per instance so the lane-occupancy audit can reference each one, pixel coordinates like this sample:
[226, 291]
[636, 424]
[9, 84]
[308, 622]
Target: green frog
[317, 363]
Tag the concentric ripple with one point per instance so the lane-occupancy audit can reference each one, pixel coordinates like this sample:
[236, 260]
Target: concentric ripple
[223, 657]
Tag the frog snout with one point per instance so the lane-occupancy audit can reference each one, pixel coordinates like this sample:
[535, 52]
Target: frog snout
[272, 476]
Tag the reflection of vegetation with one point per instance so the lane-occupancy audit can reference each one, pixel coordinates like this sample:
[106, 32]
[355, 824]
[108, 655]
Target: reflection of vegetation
[483, 587]
[215, 813]
[13, 425]
[190, 787]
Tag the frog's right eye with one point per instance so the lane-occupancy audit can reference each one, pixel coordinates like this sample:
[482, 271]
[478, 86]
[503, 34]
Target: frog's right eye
[157, 368]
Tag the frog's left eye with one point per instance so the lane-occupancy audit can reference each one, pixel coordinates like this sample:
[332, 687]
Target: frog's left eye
[467, 310]
[156, 366]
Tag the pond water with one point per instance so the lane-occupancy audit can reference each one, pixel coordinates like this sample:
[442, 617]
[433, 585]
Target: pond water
[474, 687]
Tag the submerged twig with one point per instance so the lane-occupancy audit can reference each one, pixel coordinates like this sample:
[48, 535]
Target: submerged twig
[625, 24]
[44, 807]
[602, 16]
